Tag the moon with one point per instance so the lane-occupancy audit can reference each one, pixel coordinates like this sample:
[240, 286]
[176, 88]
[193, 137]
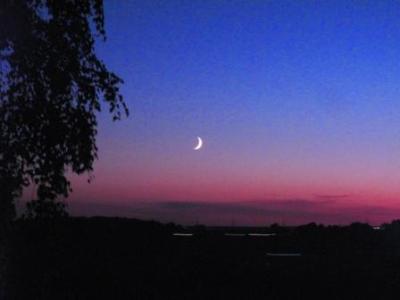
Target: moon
[199, 144]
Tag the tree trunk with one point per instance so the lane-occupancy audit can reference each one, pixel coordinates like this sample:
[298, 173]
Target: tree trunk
[7, 215]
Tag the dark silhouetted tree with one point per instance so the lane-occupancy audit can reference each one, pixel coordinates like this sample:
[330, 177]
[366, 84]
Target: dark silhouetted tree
[52, 84]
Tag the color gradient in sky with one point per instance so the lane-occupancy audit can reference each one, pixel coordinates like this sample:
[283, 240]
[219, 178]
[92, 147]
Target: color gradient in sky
[298, 104]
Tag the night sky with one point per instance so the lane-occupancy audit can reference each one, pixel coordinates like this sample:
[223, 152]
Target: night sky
[298, 104]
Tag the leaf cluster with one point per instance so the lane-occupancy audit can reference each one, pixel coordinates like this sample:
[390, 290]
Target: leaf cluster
[52, 86]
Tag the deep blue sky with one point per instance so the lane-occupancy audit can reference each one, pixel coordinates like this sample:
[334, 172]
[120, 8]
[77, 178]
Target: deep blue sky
[294, 100]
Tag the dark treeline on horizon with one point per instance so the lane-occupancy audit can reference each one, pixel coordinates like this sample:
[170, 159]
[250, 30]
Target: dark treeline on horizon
[116, 258]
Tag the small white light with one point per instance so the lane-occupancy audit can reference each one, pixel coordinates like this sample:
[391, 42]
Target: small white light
[182, 234]
[262, 234]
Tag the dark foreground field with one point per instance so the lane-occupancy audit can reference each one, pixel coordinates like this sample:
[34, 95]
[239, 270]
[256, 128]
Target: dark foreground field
[102, 258]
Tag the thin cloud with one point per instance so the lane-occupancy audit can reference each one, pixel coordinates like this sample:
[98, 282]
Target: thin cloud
[333, 196]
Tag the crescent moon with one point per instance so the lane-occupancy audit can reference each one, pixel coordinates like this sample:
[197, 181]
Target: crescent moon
[199, 144]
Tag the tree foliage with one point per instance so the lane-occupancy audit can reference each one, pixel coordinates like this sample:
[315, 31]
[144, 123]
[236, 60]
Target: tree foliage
[52, 84]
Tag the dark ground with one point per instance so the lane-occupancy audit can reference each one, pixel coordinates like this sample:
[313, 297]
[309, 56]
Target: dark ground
[103, 258]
